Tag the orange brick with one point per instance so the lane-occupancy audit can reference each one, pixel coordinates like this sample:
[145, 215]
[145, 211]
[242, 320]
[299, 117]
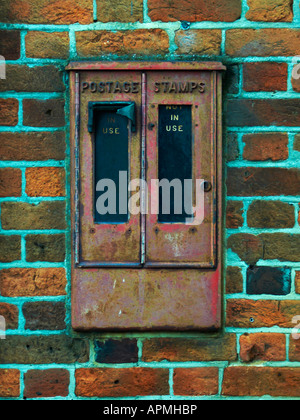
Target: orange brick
[9, 383]
[270, 10]
[140, 42]
[45, 182]
[243, 313]
[266, 347]
[196, 381]
[32, 282]
[57, 12]
[121, 382]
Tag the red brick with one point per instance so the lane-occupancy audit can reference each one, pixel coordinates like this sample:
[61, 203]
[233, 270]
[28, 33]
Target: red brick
[196, 381]
[10, 182]
[9, 112]
[186, 350]
[251, 182]
[266, 146]
[9, 383]
[263, 112]
[270, 10]
[57, 12]
[10, 314]
[140, 42]
[263, 42]
[194, 11]
[46, 383]
[32, 146]
[16, 282]
[259, 381]
[243, 313]
[129, 382]
[234, 214]
[199, 41]
[49, 113]
[262, 346]
[10, 44]
[266, 77]
[45, 182]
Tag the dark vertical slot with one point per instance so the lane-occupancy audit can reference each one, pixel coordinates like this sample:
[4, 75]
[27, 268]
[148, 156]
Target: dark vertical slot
[111, 158]
[175, 161]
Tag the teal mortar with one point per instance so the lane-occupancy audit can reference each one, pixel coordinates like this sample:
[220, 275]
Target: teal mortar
[230, 258]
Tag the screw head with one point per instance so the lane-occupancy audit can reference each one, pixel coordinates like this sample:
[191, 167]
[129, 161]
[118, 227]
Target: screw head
[185, 25]
[207, 186]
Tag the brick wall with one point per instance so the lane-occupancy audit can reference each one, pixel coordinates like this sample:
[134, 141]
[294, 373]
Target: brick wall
[256, 354]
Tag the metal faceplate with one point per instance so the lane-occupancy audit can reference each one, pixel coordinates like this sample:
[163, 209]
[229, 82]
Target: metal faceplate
[108, 241]
[150, 270]
[179, 95]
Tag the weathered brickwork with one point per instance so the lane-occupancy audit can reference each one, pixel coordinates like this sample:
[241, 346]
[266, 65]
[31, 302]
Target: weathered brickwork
[257, 352]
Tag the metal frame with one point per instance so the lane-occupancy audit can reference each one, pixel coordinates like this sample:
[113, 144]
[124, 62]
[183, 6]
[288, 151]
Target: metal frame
[117, 296]
[156, 66]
